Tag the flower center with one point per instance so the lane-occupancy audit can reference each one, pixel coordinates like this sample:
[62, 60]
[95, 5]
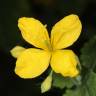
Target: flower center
[50, 48]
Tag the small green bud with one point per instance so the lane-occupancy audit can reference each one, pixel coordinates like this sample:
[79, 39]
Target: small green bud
[46, 85]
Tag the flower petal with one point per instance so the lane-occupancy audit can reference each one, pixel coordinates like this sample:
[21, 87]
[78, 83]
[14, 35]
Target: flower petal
[34, 32]
[64, 62]
[66, 32]
[17, 50]
[32, 63]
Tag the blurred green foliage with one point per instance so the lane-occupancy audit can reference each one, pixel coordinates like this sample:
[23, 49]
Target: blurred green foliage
[88, 54]
[86, 89]
[62, 82]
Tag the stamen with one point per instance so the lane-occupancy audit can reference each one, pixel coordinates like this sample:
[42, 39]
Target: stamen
[48, 45]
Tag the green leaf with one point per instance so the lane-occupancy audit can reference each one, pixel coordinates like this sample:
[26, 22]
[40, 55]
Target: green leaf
[62, 82]
[77, 92]
[91, 84]
[86, 89]
[88, 54]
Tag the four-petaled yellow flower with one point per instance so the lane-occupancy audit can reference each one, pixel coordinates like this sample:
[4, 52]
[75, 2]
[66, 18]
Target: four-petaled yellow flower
[33, 62]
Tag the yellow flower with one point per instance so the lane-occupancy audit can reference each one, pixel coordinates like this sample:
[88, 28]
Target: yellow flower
[33, 62]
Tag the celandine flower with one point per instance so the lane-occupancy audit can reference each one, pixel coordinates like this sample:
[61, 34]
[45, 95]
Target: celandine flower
[33, 62]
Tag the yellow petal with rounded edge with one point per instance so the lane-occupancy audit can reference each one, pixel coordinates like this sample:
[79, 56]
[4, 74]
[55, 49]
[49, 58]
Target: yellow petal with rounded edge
[16, 51]
[34, 32]
[66, 32]
[32, 63]
[64, 62]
